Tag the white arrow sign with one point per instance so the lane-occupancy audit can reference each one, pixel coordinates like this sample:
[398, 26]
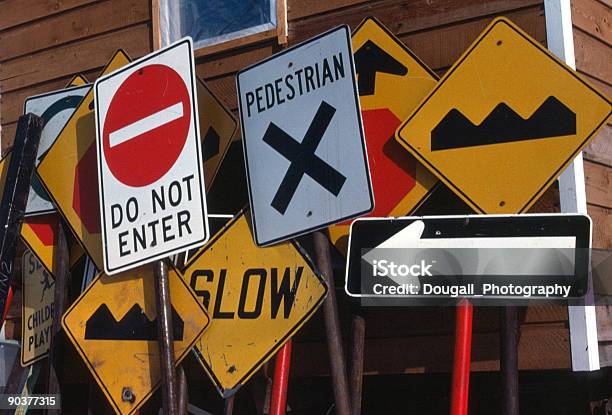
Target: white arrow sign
[418, 248]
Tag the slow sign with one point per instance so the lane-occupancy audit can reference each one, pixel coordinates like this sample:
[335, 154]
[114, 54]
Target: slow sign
[257, 299]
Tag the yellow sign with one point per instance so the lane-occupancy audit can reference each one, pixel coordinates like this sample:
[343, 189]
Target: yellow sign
[39, 234]
[504, 121]
[257, 297]
[37, 310]
[113, 325]
[77, 80]
[217, 127]
[392, 81]
[69, 172]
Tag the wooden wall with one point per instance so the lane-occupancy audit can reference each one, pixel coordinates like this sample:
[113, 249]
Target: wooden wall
[43, 43]
[593, 49]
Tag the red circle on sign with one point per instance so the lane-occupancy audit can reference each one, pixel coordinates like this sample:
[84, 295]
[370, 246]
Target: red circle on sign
[146, 125]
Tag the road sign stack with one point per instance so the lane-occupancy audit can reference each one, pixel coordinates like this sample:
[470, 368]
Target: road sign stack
[332, 129]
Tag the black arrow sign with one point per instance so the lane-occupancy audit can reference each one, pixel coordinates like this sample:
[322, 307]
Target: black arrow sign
[303, 159]
[503, 125]
[370, 59]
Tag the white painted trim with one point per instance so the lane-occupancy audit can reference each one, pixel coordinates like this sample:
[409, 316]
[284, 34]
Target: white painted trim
[582, 321]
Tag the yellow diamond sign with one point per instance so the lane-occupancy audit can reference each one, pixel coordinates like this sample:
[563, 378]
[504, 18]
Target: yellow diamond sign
[504, 121]
[113, 326]
[257, 298]
[392, 82]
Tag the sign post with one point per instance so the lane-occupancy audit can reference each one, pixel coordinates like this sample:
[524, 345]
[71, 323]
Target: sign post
[460, 388]
[332, 326]
[278, 400]
[60, 304]
[165, 330]
[15, 196]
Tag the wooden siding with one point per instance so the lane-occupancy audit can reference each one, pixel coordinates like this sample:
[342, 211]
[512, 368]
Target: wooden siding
[43, 43]
[593, 49]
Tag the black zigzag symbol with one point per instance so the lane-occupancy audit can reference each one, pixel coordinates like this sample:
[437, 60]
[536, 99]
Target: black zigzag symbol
[369, 60]
[503, 125]
[133, 326]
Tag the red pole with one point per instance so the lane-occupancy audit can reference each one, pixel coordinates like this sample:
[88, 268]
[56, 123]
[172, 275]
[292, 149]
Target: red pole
[461, 368]
[280, 384]
[9, 299]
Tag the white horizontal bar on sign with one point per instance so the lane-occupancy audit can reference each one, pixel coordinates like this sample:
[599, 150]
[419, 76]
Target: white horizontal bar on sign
[146, 124]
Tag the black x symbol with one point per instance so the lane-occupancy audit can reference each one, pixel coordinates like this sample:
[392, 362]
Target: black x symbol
[303, 159]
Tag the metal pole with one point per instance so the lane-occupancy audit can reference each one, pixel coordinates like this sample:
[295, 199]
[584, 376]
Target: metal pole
[183, 392]
[332, 326]
[60, 305]
[228, 405]
[280, 384]
[356, 367]
[509, 360]
[165, 339]
[15, 195]
[463, 349]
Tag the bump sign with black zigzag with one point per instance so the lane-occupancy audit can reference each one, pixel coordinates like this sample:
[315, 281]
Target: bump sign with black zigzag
[504, 121]
[113, 326]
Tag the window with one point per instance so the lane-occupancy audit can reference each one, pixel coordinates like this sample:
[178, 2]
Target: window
[220, 22]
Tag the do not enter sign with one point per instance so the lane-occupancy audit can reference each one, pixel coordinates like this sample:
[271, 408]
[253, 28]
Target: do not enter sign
[149, 159]
[145, 131]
